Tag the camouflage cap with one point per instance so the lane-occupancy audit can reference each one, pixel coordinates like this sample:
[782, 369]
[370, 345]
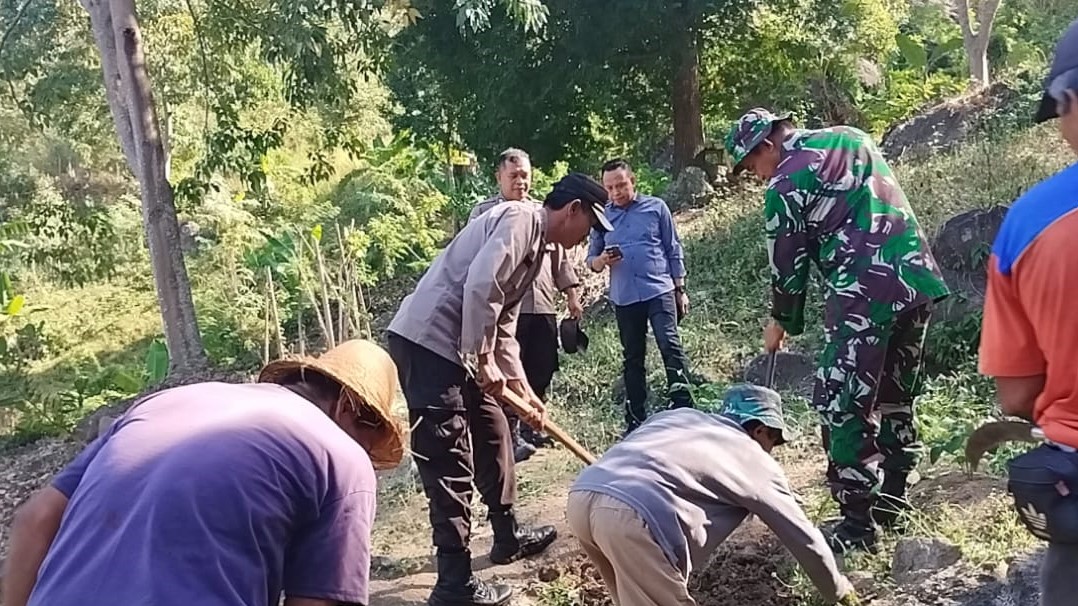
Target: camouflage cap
[749, 131]
[747, 402]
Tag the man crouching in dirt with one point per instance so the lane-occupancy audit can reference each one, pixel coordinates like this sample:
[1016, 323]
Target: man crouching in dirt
[221, 494]
[1028, 339]
[658, 503]
[456, 353]
[832, 201]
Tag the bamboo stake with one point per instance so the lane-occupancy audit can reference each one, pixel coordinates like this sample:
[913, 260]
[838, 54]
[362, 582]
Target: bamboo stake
[342, 326]
[361, 301]
[266, 337]
[344, 287]
[331, 340]
[275, 314]
[310, 293]
[299, 331]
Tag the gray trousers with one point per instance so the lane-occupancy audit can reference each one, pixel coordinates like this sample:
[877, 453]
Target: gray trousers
[1059, 581]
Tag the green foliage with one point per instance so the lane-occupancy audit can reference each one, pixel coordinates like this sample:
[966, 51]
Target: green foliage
[487, 96]
[156, 363]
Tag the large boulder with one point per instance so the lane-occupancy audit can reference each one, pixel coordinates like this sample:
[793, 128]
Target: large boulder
[913, 558]
[961, 248]
[691, 189]
[964, 241]
[946, 125]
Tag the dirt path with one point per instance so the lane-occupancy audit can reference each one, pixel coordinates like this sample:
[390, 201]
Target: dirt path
[747, 569]
[403, 571]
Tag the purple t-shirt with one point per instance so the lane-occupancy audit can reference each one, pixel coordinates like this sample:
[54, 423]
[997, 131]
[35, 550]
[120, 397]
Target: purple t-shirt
[214, 494]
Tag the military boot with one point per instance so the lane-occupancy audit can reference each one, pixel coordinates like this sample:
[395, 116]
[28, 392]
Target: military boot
[891, 506]
[522, 450]
[457, 586]
[512, 542]
[856, 531]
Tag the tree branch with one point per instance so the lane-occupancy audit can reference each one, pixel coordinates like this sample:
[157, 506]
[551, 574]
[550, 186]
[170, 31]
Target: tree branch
[986, 16]
[105, 38]
[14, 24]
[962, 15]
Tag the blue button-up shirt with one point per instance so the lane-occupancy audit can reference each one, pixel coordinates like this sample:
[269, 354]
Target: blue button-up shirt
[652, 259]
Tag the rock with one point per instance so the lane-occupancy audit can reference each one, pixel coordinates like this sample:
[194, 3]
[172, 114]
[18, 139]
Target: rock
[946, 125]
[549, 574]
[964, 241]
[915, 556]
[691, 189]
[861, 581]
[961, 247]
[189, 232]
[104, 423]
[97, 422]
[794, 372]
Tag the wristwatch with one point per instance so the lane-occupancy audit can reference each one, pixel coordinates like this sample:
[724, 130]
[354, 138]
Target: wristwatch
[679, 289]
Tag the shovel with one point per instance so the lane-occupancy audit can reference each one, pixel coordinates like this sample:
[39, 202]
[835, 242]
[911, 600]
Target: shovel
[522, 407]
[769, 376]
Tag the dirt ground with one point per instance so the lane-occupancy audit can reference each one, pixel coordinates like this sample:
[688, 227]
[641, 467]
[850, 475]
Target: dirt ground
[747, 569]
[751, 567]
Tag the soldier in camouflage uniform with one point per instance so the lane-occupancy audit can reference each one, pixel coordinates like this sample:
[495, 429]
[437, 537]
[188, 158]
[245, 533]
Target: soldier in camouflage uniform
[833, 201]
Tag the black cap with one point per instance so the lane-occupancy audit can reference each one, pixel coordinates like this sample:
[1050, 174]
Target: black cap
[1062, 76]
[578, 186]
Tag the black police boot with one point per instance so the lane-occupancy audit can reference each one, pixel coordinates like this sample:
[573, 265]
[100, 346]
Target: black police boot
[538, 439]
[457, 586]
[522, 451]
[512, 542]
[891, 506]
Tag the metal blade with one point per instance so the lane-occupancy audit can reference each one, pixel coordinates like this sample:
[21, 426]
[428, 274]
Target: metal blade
[991, 435]
[770, 376]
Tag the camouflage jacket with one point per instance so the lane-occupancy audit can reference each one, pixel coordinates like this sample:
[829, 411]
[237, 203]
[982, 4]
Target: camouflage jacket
[835, 201]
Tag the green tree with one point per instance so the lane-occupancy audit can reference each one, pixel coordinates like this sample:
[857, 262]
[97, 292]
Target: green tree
[320, 49]
[975, 17]
[630, 67]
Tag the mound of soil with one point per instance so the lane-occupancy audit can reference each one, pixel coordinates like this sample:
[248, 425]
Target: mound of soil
[744, 571]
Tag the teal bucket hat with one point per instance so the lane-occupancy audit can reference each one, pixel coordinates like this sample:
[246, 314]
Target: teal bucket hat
[747, 402]
[749, 131]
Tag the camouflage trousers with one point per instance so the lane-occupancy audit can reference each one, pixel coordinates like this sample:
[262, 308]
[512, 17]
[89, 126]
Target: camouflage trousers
[868, 378]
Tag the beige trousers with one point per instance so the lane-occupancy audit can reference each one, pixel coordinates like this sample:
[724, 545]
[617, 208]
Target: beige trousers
[633, 566]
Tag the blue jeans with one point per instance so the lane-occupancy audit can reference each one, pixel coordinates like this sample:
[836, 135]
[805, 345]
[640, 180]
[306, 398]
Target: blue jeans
[633, 320]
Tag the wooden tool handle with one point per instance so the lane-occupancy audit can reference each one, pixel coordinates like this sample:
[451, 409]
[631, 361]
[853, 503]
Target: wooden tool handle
[550, 427]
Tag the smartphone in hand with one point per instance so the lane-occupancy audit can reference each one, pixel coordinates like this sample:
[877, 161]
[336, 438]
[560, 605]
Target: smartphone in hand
[614, 252]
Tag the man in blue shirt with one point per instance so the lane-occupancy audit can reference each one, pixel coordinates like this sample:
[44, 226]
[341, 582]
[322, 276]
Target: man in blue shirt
[647, 284]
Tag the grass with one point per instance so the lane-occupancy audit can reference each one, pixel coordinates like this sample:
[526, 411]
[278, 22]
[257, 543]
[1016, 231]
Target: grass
[728, 285]
[113, 324]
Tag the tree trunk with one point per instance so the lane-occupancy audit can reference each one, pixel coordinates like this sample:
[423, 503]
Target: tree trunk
[186, 353]
[685, 99]
[105, 39]
[166, 139]
[976, 41]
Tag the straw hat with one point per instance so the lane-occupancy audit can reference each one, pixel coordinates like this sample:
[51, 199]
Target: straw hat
[367, 370]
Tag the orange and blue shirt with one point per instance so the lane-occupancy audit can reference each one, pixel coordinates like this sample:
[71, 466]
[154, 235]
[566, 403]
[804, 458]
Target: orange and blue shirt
[1030, 325]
